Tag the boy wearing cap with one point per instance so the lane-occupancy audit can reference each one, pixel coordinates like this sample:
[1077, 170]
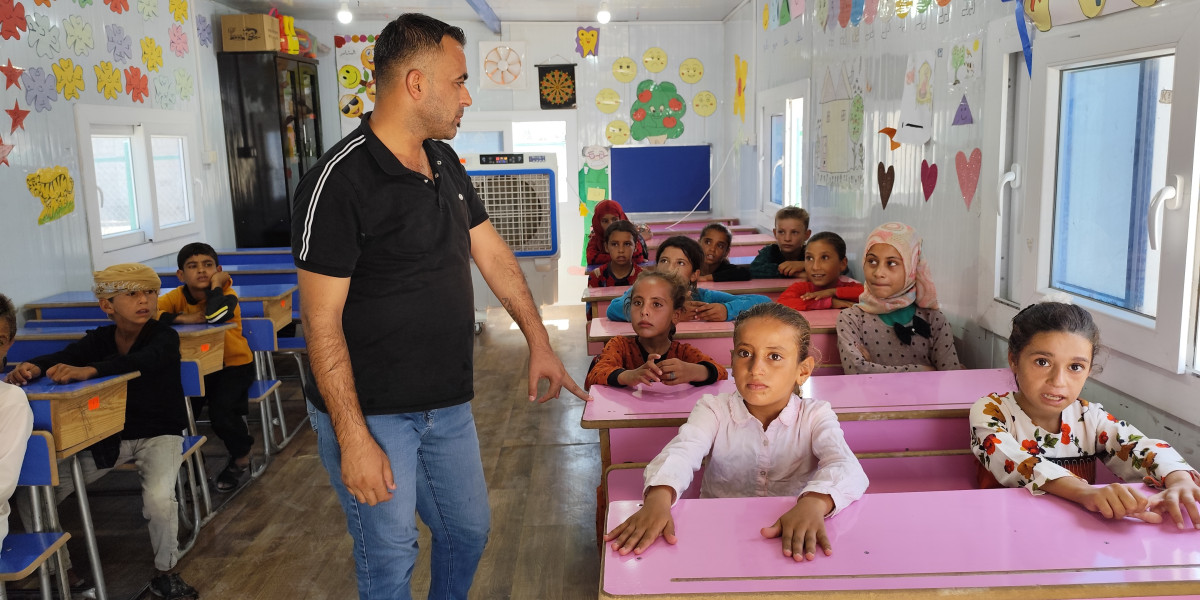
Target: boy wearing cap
[155, 414]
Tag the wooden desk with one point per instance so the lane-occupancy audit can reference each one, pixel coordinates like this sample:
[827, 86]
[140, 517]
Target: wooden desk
[78, 415]
[716, 338]
[245, 274]
[894, 414]
[202, 343]
[999, 543]
[83, 305]
[742, 245]
[273, 302]
[601, 297]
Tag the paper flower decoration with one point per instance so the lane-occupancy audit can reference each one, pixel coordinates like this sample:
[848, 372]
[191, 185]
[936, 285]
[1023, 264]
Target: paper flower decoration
[151, 54]
[165, 94]
[136, 84]
[203, 31]
[179, 41]
[108, 80]
[117, 6]
[39, 88]
[183, 81]
[12, 19]
[148, 9]
[79, 35]
[44, 36]
[69, 78]
[120, 45]
[179, 10]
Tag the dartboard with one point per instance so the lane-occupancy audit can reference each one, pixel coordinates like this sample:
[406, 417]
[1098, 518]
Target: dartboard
[502, 65]
[557, 87]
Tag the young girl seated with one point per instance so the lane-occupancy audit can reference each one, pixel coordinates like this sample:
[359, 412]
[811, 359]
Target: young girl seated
[896, 326]
[680, 255]
[714, 242]
[827, 287]
[650, 355]
[1045, 438]
[764, 440]
[606, 213]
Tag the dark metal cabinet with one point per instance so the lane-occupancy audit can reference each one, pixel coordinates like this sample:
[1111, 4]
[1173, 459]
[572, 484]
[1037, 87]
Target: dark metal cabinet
[270, 103]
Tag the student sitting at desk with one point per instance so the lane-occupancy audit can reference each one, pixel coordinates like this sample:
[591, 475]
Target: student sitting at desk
[763, 440]
[896, 326]
[784, 258]
[655, 306]
[16, 419]
[714, 241]
[205, 297]
[1045, 438]
[154, 411]
[606, 213]
[827, 287]
[621, 240]
[681, 255]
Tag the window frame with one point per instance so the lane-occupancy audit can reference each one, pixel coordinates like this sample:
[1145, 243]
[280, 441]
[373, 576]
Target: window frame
[772, 102]
[1164, 341]
[151, 239]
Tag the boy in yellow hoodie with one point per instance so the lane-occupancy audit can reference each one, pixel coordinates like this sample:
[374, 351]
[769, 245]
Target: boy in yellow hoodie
[206, 297]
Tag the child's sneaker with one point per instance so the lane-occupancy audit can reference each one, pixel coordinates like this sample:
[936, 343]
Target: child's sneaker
[172, 587]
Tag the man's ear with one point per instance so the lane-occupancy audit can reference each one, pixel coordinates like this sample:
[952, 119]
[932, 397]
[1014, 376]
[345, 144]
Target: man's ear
[415, 82]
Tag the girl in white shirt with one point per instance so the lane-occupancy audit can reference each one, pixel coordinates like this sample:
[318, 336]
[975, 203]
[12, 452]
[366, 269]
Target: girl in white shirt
[16, 418]
[1045, 438]
[764, 441]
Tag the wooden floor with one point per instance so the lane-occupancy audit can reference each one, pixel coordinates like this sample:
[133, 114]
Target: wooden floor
[283, 536]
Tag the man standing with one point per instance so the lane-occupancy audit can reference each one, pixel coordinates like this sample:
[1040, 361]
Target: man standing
[384, 228]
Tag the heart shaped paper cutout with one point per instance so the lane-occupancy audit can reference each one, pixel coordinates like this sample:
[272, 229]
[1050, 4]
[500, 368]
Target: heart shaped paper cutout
[928, 178]
[886, 179]
[968, 174]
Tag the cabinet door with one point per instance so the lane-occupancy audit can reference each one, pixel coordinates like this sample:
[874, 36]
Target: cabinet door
[288, 80]
[308, 106]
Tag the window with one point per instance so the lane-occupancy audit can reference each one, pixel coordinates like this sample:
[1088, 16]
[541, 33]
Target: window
[781, 149]
[1112, 141]
[138, 168]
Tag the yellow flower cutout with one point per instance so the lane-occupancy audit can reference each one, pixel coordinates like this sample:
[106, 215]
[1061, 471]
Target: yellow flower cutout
[179, 8]
[69, 76]
[151, 54]
[108, 80]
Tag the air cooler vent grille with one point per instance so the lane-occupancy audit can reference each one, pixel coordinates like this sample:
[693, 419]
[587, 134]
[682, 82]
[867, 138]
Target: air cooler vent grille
[519, 208]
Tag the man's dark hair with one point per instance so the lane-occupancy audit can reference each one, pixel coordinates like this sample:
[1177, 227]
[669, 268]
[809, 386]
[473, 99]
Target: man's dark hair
[194, 249]
[410, 35]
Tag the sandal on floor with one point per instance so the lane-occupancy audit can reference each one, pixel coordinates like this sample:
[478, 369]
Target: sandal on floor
[230, 476]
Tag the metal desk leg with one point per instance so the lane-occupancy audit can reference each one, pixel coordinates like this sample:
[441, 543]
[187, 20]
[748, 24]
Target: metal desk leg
[89, 531]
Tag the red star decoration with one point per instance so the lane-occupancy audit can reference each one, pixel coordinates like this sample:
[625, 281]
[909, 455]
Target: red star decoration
[12, 75]
[4, 150]
[17, 115]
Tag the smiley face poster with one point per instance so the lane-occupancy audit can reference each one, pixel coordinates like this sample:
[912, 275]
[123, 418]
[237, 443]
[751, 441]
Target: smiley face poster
[355, 56]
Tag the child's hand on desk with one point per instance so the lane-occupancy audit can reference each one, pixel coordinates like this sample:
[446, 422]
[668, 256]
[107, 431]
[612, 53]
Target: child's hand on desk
[829, 293]
[653, 519]
[62, 373]
[702, 311]
[791, 268]
[839, 303]
[803, 527]
[675, 371]
[1117, 501]
[1181, 491]
[23, 374]
[195, 318]
[647, 373]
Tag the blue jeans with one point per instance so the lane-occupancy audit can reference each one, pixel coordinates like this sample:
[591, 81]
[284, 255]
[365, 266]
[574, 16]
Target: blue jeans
[438, 473]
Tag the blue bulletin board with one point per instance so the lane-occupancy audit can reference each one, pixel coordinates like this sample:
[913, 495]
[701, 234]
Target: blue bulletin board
[661, 178]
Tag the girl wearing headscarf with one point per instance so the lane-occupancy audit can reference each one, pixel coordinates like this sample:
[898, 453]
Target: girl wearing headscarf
[896, 325]
[605, 214]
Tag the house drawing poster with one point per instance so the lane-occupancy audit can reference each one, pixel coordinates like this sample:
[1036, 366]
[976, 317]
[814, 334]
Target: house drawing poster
[839, 155]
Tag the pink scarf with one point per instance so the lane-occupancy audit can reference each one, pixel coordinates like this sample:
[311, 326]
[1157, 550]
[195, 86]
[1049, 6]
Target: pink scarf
[918, 286]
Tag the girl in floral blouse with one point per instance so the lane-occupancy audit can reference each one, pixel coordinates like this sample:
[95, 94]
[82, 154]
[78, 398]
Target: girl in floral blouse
[1043, 437]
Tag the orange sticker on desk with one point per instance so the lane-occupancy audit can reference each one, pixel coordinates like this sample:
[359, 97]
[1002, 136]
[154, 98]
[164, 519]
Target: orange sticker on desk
[204, 347]
[93, 402]
[283, 303]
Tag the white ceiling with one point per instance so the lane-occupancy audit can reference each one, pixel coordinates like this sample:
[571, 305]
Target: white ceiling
[506, 10]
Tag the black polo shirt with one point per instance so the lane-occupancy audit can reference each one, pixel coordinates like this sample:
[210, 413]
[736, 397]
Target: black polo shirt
[404, 242]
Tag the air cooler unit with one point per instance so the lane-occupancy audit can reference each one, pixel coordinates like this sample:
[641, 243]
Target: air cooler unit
[519, 192]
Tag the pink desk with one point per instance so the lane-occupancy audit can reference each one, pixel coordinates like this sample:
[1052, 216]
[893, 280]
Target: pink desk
[895, 414]
[716, 339]
[600, 298]
[912, 545]
[743, 245]
[661, 224]
[693, 230]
